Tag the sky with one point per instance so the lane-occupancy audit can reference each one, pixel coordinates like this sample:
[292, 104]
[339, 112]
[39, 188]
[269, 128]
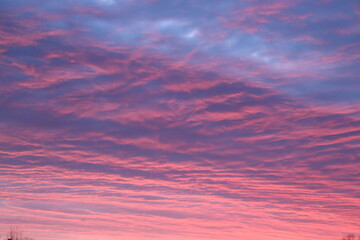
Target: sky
[180, 119]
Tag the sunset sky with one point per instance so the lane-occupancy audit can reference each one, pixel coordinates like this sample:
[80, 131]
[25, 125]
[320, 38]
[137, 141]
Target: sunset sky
[180, 119]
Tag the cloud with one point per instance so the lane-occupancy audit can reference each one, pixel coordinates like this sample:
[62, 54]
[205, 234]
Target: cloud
[135, 118]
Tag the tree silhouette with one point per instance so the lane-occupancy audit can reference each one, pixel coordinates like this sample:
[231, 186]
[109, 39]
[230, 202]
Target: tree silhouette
[16, 234]
[351, 237]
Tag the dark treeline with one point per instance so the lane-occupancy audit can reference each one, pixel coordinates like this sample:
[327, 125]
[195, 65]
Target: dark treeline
[351, 237]
[15, 233]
